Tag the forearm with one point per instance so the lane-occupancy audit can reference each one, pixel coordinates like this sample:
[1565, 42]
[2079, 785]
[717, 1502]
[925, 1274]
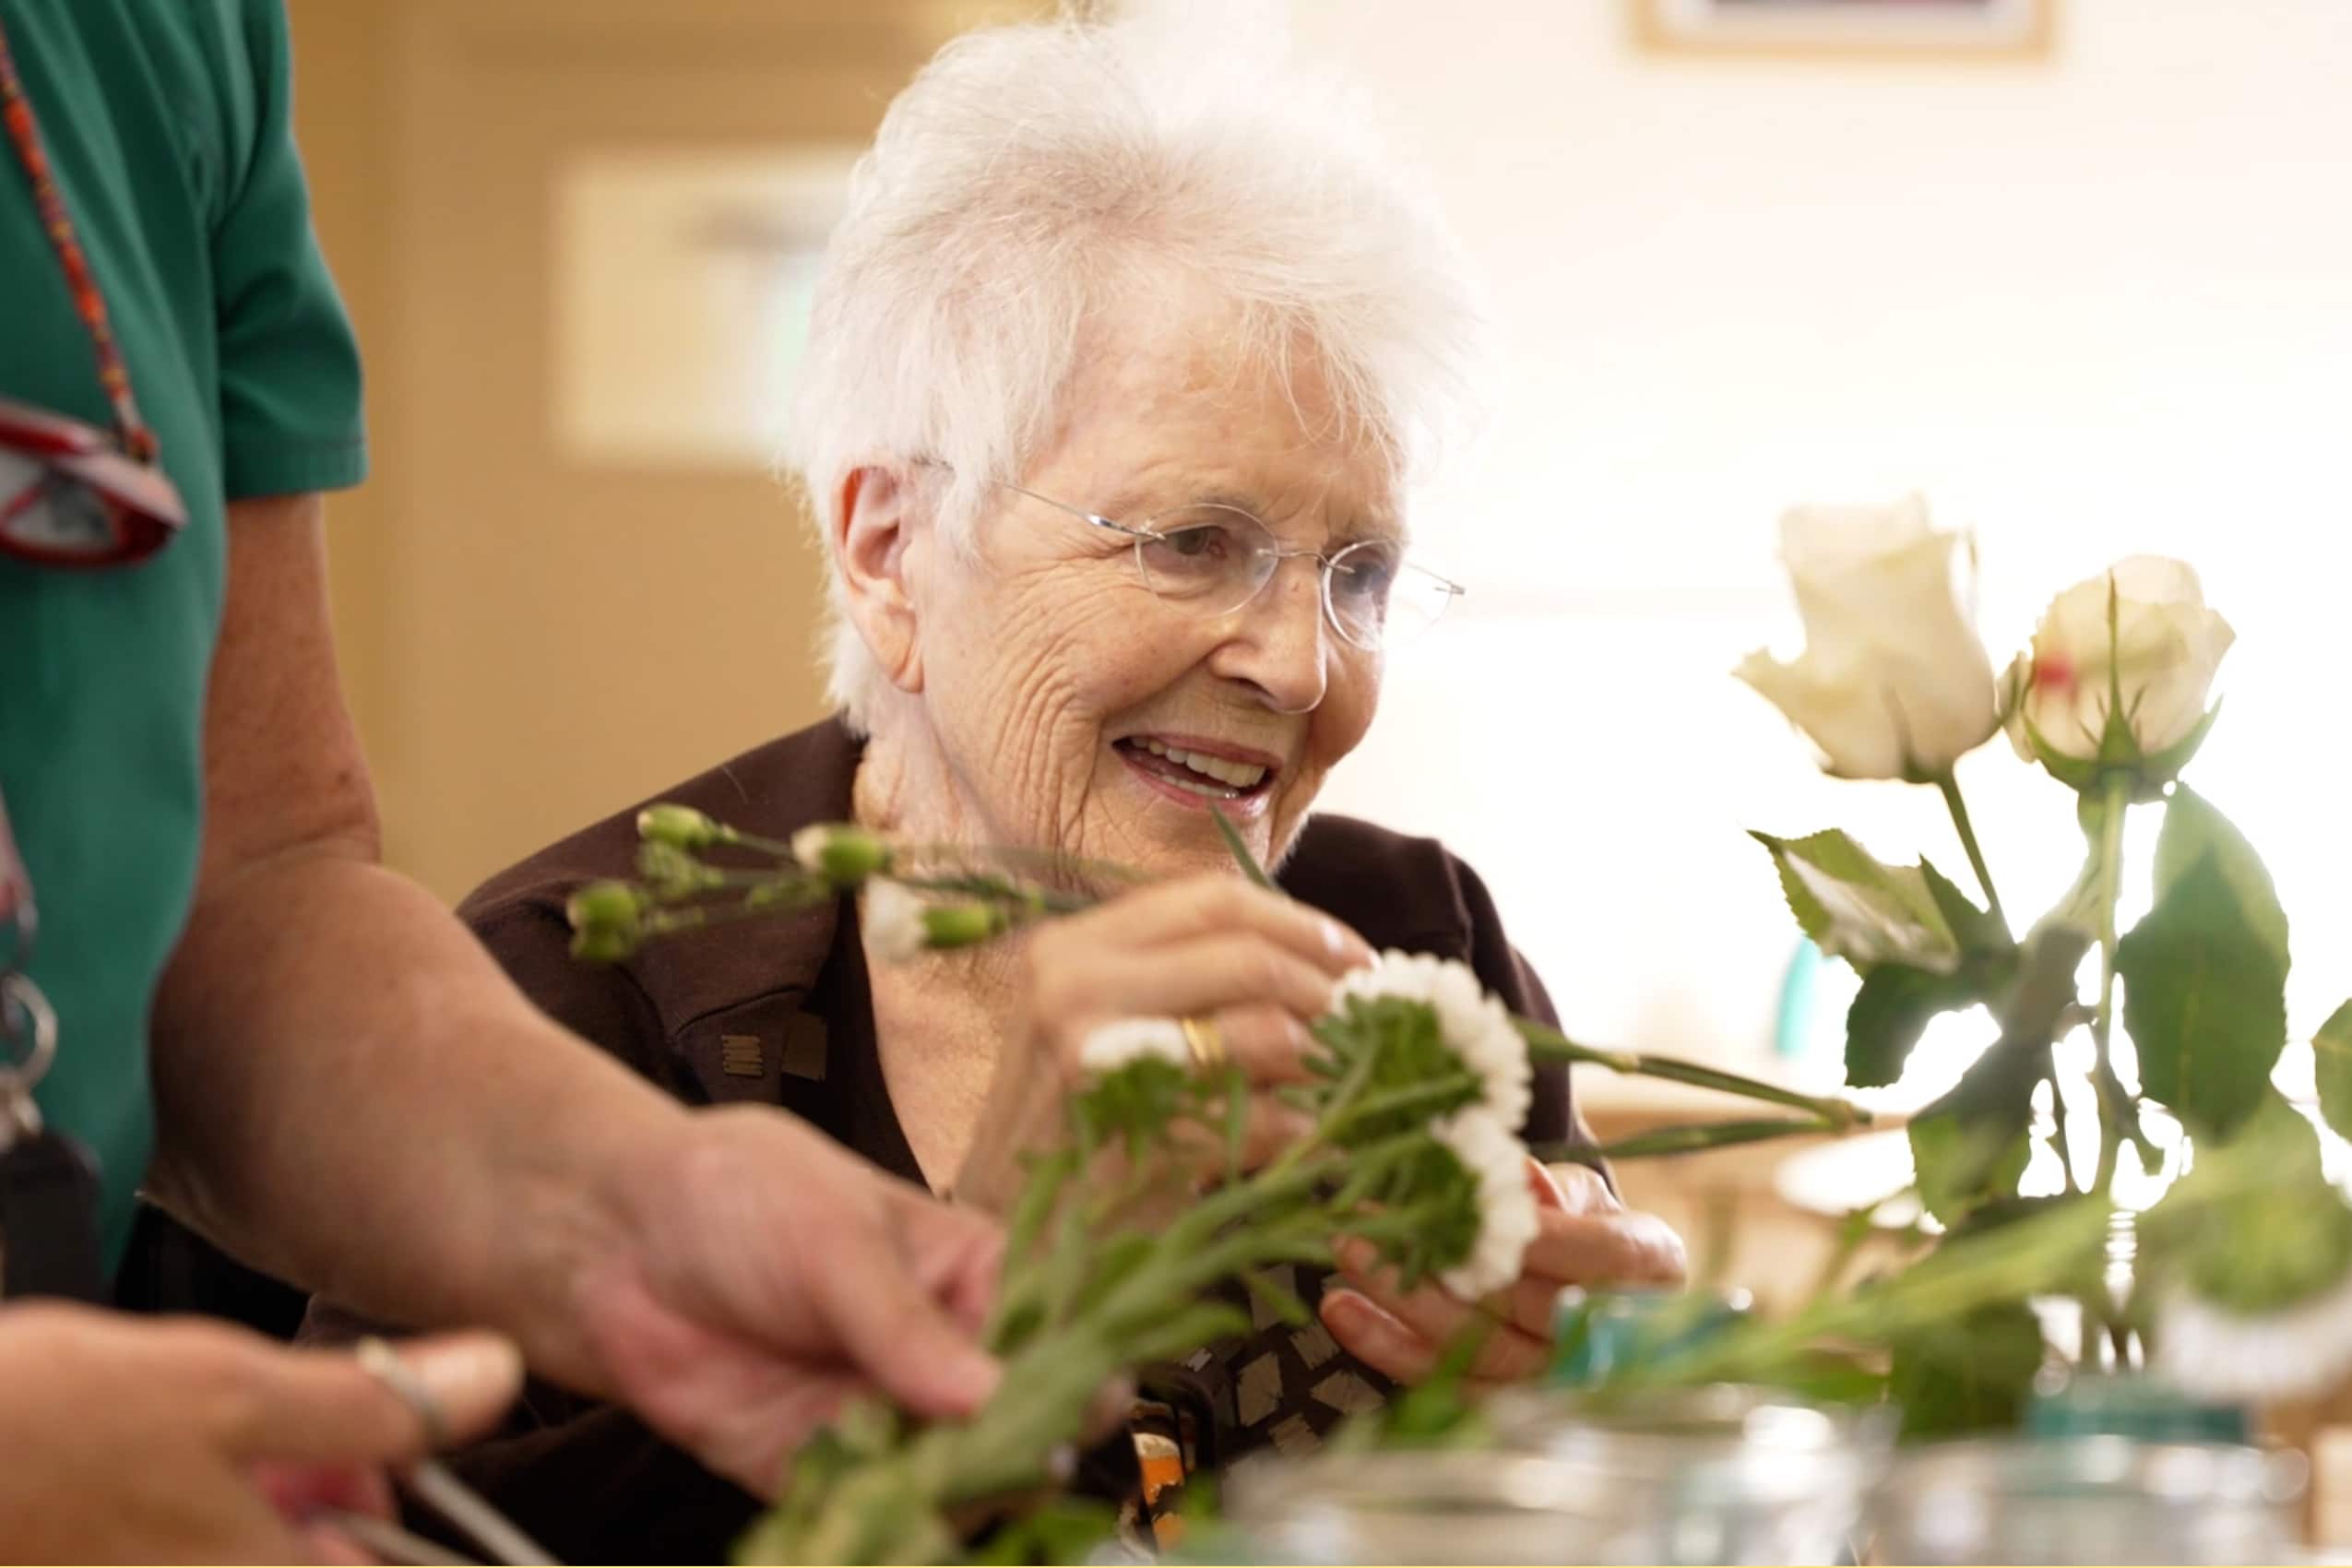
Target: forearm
[352, 1094]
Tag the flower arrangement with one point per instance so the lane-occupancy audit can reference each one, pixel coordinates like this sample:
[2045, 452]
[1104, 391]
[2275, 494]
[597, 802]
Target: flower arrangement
[1420, 1081]
[2251, 1251]
[1420, 1078]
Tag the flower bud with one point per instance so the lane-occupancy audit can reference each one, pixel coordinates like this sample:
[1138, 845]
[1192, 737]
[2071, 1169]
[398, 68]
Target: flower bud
[2119, 674]
[843, 854]
[672, 871]
[607, 921]
[680, 828]
[961, 925]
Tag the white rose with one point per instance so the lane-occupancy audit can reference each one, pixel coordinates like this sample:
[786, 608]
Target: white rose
[1894, 681]
[2162, 652]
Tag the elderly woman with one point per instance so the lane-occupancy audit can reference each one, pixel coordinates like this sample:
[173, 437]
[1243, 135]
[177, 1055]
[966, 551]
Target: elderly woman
[1118, 367]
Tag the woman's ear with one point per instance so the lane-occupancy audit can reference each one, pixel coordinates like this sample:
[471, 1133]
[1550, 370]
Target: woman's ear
[872, 530]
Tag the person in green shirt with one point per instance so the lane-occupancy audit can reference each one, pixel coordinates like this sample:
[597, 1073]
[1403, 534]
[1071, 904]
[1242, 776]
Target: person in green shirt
[293, 1048]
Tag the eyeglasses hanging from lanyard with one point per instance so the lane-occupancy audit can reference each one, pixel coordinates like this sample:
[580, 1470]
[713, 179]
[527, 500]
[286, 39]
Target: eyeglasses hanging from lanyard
[71, 495]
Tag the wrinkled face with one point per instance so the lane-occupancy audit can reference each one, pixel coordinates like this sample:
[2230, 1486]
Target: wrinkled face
[1080, 711]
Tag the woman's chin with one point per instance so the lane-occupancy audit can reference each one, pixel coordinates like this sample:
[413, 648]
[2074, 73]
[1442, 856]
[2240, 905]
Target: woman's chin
[1165, 837]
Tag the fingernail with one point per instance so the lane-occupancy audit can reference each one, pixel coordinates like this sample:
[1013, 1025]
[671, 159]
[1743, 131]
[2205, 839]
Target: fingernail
[1343, 943]
[463, 1372]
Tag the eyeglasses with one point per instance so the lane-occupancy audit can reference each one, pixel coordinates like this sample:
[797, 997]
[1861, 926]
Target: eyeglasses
[70, 494]
[1211, 560]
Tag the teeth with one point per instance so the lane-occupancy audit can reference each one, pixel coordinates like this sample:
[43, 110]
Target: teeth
[1238, 774]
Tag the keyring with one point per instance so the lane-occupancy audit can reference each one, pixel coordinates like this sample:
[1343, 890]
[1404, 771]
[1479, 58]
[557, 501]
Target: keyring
[18, 993]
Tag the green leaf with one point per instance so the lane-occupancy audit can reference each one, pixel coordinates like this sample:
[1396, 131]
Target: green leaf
[2166, 764]
[2204, 999]
[2080, 774]
[1968, 1374]
[1279, 1298]
[2332, 1047]
[2192, 828]
[1974, 928]
[1890, 1011]
[1969, 1147]
[2255, 1225]
[1857, 909]
[1060, 1529]
[1238, 850]
[1708, 1135]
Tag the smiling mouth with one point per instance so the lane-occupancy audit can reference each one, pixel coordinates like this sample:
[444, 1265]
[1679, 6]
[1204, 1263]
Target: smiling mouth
[1195, 772]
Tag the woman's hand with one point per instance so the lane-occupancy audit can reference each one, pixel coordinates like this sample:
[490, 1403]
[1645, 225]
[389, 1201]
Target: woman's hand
[1257, 966]
[1587, 1238]
[145, 1440]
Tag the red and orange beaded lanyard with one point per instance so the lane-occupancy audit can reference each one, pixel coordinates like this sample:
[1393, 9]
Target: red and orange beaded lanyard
[24, 135]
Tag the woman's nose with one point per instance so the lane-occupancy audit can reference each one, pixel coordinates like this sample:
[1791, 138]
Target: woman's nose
[1282, 646]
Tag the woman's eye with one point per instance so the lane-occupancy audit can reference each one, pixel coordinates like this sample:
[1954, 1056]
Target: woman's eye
[1206, 541]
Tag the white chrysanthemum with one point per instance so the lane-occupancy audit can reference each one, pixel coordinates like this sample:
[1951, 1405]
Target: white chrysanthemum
[894, 921]
[1122, 1040]
[1508, 1223]
[1475, 1025]
[2213, 1353]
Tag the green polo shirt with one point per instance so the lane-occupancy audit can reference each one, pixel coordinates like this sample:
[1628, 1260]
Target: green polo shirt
[167, 122]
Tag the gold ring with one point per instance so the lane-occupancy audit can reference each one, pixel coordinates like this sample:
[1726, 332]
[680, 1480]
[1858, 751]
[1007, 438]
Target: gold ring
[1205, 1041]
[384, 1364]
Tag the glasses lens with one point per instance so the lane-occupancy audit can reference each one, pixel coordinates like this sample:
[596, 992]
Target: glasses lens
[83, 509]
[1210, 559]
[1381, 600]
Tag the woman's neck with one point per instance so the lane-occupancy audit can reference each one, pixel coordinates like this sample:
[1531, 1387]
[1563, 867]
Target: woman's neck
[942, 1021]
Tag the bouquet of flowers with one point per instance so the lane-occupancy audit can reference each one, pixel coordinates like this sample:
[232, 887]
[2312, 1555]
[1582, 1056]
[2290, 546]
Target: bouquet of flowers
[1420, 1081]
[2239, 1283]
[2242, 1277]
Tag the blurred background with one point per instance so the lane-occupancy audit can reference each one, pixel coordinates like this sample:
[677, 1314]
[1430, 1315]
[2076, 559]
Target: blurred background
[2079, 271]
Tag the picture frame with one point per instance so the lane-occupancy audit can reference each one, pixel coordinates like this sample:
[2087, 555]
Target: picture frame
[1929, 30]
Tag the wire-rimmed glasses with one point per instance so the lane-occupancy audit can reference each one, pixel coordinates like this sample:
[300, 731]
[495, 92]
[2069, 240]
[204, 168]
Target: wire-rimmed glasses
[1211, 559]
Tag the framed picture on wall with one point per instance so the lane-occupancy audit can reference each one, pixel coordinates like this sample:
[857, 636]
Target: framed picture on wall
[1928, 29]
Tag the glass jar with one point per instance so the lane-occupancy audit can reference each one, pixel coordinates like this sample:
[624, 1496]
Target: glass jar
[2089, 1500]
[1702, 1476]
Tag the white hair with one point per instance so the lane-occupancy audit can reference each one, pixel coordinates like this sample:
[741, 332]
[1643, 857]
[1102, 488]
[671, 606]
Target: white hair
[1038, 187]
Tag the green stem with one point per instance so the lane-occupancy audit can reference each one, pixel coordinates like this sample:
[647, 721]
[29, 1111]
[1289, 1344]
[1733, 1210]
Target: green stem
[2058, 1144]
[2115, 798]
[1712, 1134]
[2009, 1264]
[1950, 787]
[1548, 1044]
[1417, 1098]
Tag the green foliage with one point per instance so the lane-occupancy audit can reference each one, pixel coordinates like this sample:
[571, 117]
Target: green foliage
[2204, 996]
[2255, 1225]
[2194, 828]
[1856, 908]
[1969, 1147]
[1973, 927]
[1969, 1372]
[2332, 1047]
[1893, 1009]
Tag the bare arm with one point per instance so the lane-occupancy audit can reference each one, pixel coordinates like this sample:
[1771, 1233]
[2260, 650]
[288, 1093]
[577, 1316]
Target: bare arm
[350, 1091]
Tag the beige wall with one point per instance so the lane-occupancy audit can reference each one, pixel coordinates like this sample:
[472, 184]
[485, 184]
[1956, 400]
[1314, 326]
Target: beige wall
[530, 640]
